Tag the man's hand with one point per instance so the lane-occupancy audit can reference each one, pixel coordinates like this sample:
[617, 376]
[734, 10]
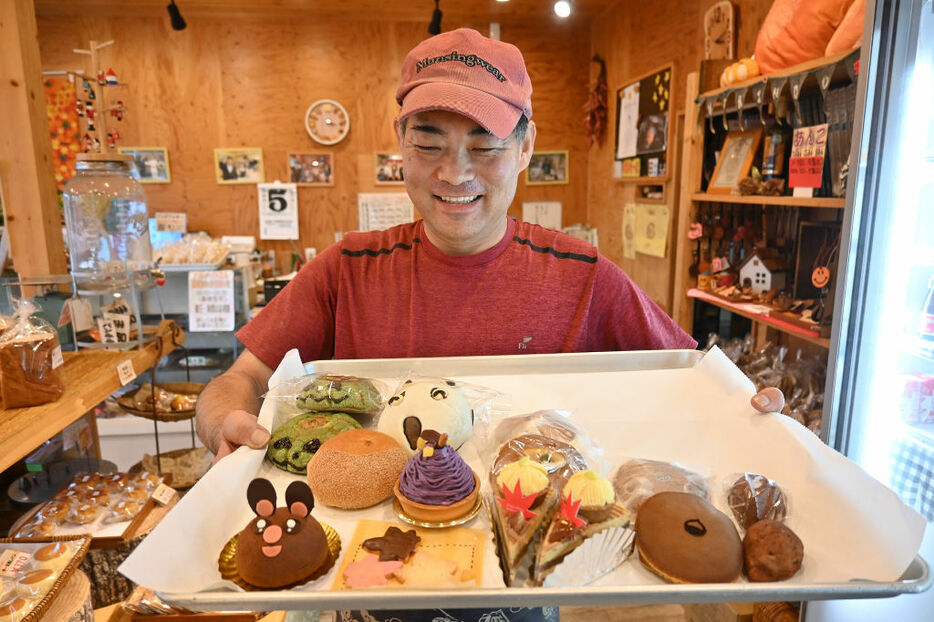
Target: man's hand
[239, 428]
[768, 400]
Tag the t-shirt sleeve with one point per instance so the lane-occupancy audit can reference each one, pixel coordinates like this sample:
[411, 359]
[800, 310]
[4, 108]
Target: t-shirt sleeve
[300, 316]
[623, 317]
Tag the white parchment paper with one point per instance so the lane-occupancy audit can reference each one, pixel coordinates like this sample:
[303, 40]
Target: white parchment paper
[852, 526]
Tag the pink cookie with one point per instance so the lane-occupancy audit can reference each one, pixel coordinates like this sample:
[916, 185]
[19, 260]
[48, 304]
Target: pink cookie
[369, 572]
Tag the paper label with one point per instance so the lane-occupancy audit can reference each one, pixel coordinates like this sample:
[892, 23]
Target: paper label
[278, 211]
[13, 562]
[211, 301]
[125, 372]
[121, 322]
[57, 359]
[544, 213]
[176, 222]
[82, 316]
[163, 494]
[107, 330]
[382, 210]
[806, 165]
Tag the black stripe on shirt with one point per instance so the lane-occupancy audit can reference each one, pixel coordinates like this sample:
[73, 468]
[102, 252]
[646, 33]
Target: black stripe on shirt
[551, 251]
[380, 251]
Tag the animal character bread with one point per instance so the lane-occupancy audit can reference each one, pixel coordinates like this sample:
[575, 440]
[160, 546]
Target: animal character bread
[438, 404]
[282, 546]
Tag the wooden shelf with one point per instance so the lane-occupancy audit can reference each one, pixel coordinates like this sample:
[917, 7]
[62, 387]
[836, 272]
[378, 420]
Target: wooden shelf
[659, 180]
[811, 336]
[757, 199]
[90, 376]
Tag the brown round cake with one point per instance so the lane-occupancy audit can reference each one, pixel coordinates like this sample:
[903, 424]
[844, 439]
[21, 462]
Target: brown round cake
[771, 551]
[683, 539]
[356, 469]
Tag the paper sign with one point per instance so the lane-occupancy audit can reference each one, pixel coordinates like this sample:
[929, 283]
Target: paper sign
[125, 372]
[121, 322]
[628, 124]
[544, 213]
[211, 301]
[13, 562]
[278, 211]
[82, 316]
[652, 229]
[107, 330]
[57, 359]
[176, 222]
[629, 231]
[806, 165]
[378, 211]
[163, 494]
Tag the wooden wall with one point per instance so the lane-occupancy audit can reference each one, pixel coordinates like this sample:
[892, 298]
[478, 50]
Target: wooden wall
[245, 81]
[636, 38]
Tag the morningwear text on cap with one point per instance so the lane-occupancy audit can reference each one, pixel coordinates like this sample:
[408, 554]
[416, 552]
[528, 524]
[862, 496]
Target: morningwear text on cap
[470, 60]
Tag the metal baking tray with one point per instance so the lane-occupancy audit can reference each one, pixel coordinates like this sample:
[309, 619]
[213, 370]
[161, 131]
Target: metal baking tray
[917, 578]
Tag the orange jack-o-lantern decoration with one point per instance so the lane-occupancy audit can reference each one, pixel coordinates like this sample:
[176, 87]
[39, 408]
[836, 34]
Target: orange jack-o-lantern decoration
[820, 277]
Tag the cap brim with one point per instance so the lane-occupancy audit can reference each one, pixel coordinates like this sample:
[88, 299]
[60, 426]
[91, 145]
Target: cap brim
[497, 116]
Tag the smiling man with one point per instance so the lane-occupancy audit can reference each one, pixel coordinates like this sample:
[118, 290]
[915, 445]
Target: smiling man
[463, 280]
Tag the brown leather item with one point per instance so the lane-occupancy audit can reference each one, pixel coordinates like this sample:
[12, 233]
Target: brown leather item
[26, 374]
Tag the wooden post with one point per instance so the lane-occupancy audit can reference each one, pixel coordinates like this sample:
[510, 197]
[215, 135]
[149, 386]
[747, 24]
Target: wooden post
[33, 219]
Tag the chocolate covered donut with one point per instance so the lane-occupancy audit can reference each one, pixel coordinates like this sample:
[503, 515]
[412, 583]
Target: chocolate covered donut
[683, 539]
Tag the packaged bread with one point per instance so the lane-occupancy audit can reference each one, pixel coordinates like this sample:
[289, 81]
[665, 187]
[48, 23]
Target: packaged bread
[30, 360]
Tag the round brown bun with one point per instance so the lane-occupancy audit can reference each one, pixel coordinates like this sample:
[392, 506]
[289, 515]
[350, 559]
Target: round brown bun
[772, 551]
[683, 539]
[356, 469]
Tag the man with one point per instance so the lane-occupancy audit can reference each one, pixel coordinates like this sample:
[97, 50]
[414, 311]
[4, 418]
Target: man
[464, 280]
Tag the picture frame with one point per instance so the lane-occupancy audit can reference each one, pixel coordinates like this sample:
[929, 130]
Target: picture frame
[548, 168]
[151, 164]
[388, 170]
[311, 169]
[735, 161]
[644, 124]
[239, 165]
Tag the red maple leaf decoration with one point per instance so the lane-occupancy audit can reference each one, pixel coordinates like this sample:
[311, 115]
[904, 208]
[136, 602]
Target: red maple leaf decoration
[514, 501]
[569, 509]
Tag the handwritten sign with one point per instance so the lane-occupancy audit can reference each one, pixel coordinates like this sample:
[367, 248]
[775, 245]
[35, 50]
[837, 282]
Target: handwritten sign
[107, 330]
[125, 372]
[175, 222]
[211, 301]
[806, 166]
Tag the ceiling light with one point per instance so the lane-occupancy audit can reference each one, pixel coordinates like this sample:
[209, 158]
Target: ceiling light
[562, 8]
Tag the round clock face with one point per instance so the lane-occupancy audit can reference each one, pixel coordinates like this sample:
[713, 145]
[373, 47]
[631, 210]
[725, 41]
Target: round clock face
[327, 122]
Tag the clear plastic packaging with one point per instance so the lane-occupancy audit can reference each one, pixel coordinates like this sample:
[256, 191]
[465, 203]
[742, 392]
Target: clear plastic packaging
[332, 393]
[30, 360]
[753, 497]
[193, 249]
[638, 479]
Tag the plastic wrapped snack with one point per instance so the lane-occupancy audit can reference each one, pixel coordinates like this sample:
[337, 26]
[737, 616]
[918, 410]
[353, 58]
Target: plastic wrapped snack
[30, 360]
[332, 393]
[445, 405]
[753, 497]
[638, 479]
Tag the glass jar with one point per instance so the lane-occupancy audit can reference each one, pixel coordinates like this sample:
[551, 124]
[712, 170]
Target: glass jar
[107, 225]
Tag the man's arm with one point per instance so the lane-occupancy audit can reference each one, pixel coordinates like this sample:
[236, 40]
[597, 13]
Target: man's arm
[227, 407]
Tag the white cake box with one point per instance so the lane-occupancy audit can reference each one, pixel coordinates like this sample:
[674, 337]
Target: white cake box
[860, 540]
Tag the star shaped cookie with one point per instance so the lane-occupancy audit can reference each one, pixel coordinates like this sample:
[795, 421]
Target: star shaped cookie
[394, 545]
[369, 572]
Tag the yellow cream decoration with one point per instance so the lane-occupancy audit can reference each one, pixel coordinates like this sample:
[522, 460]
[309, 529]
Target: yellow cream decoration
[532, 476]
[590, 488]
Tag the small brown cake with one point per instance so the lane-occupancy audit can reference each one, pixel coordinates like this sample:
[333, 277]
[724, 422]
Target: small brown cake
[282, 546]
[356, 469]
[683, 539]
[754, 497]
[771, 551]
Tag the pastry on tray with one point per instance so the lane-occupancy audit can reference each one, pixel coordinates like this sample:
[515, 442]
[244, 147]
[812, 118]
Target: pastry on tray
[436, 484]
[438, 404]
[348, 394]
[293, 443]
[753, 497]
[771, 551]
[590, 535]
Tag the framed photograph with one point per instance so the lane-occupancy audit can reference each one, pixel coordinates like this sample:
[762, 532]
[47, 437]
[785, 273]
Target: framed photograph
[547, 167]
[735, 160]
[389, 169]
[152, 164]
[311, 169]
[241, 165]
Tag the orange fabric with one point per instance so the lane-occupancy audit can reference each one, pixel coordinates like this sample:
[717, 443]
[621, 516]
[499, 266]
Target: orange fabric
[849, 33]
[796, 31]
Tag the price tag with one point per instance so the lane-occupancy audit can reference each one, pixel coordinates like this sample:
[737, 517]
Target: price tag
[12, 562]
[82, 316]
[163, 494]
[210, 301]
[125, 372]
[278, 211]
[121, 322]
[176, 222]
[806, 165]
[57, 359]
[107, 330]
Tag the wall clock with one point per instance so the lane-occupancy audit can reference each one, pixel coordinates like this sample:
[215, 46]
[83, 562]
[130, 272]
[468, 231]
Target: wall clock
[327, 122]
[718, 31]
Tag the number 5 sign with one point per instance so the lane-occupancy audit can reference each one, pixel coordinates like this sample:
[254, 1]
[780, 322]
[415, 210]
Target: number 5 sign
[278, 211]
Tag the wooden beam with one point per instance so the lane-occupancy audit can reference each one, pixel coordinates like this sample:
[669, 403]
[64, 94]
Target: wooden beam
[33, 219]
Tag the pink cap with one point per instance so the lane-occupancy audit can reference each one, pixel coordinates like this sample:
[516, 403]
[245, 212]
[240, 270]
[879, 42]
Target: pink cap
[464, 72]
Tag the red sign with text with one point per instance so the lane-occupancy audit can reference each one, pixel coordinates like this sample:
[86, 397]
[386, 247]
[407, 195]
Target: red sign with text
[806, 165]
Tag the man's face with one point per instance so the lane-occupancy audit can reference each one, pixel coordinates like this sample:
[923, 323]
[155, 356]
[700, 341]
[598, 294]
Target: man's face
[461, 178]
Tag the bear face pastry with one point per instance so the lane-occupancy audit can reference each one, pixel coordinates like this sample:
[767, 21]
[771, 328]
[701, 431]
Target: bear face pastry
[282, 546]
[436, 404]
[293, 443]
[340, 393]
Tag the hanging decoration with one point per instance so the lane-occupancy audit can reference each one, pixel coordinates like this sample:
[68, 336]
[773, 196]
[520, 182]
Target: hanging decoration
[62, 111]
[596, 106]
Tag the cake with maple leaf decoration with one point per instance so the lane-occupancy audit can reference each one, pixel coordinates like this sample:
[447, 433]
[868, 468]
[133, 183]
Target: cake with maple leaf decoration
[524, 500]
[589, 535]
